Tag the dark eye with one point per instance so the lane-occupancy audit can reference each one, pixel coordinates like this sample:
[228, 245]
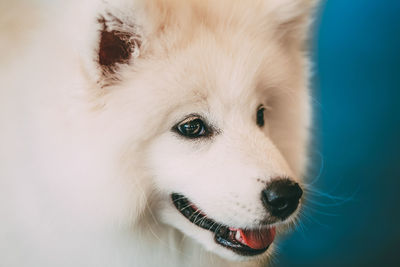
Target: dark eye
[192, 127]
[260, 116]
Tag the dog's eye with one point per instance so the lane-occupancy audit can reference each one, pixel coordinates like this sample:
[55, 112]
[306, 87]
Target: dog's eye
[192, 127]
[260, 116]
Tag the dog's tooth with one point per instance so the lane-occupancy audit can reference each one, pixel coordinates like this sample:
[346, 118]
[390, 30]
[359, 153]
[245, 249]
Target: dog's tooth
[238, 236]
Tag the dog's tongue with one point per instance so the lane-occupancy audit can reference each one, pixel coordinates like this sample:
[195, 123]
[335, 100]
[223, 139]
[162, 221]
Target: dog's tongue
[257, 239]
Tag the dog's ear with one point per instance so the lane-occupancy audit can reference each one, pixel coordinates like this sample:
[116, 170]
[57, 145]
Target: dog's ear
[120, 42]
[294, 19]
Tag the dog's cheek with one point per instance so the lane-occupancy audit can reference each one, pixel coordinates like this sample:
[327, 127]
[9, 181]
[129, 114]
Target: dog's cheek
[170, 161]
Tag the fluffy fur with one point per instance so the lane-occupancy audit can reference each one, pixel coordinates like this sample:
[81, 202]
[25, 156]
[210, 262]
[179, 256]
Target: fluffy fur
[88, 159]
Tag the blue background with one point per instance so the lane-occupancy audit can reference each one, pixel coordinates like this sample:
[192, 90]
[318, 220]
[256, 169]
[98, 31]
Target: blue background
[356, 153]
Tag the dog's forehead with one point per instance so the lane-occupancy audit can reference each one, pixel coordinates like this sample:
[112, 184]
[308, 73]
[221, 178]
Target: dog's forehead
[212, 57]
[232, 68]
[221, 75]
[232, 64]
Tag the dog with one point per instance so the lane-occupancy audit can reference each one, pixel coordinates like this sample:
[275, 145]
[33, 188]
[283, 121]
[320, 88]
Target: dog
[152, 132]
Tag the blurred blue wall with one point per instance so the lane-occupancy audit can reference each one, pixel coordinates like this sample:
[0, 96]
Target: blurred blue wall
[357, 106]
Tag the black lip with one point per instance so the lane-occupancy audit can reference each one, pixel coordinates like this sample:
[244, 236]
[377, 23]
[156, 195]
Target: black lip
[223, 235]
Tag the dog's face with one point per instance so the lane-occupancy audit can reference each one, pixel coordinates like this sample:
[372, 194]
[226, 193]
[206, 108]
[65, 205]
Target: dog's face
[219, 159]
[223, 113]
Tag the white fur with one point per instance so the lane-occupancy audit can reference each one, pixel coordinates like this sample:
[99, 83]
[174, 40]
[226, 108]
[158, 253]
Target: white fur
[86, 171]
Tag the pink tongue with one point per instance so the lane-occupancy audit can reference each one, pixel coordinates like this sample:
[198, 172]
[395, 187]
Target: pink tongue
[258, 239]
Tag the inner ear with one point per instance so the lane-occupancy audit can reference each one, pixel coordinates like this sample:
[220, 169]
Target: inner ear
[114, 48]
[119, 42]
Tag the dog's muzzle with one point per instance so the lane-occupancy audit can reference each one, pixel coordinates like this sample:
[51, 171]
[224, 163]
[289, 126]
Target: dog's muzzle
[245, 242]
[281, 198]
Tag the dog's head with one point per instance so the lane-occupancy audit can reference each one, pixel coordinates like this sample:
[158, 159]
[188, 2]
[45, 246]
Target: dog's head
[217, 100]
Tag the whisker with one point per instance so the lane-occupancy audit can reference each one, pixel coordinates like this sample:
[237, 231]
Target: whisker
[187, 206]
[194, 221]
[321, 204]
[314, 220]
[212, 226]
[175, 200]
[321, 212]
[197, 211]
[322, 164]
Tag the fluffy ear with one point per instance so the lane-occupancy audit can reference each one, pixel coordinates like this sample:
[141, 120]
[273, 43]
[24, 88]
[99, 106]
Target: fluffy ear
[120, 41]
[294, 18]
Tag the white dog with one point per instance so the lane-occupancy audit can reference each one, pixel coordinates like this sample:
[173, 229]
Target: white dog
[151, 132]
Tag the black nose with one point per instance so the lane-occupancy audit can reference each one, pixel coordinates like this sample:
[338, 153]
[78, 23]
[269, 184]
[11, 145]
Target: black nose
[281, 197]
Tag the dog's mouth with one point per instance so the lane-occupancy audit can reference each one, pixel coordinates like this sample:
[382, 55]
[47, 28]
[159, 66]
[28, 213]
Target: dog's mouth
[245, 242]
